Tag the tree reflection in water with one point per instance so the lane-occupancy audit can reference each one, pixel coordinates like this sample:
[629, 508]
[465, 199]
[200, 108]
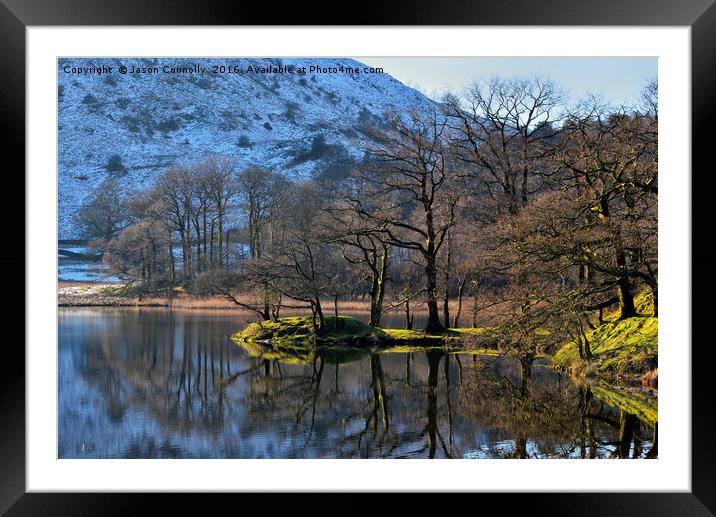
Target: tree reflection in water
[163, 384]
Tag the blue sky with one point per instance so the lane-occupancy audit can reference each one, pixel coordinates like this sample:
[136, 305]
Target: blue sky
[618, 79]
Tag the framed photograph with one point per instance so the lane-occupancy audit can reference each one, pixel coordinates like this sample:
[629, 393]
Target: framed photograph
[423, 258]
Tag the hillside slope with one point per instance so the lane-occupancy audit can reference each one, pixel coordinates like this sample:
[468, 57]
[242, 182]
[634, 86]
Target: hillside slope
[132, 126]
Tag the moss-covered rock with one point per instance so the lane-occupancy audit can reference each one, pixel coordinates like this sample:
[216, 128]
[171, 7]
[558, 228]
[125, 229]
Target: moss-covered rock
[621, 350]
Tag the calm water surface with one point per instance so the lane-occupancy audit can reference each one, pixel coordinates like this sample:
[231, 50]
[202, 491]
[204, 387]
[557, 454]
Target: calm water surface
[152, 383]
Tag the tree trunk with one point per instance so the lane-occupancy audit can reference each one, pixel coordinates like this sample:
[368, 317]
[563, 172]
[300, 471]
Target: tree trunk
[197, 230]
[446, 308]
[448, 264]
[375, 309]
[335, 311]
[270, 235]
[319, 313]
[226, 248]
[408, 316]
[171, 261]
[204, 265]
[583, 274]
[626, 298]
[580, 347]
[220, 237]
[526, 370]
[460, 291]
[212, 250]
[626, 295]
[315, 326]
[521, 446]
[375, 314]
[377, 293]
[184, 257]
[587, 346]
[433, 325]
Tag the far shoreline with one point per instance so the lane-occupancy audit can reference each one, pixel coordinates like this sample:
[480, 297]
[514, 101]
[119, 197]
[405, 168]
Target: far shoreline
[79, 293]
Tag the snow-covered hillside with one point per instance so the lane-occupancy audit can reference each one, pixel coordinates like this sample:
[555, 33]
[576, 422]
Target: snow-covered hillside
[133, 126]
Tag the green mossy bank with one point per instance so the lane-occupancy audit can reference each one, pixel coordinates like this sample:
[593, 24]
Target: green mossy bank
[298, 333]
[622, 350]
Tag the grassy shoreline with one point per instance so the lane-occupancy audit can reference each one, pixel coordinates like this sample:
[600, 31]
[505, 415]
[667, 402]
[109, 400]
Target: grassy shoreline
[623, 351]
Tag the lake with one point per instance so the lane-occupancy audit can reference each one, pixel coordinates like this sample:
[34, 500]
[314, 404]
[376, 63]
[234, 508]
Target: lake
[156, 383]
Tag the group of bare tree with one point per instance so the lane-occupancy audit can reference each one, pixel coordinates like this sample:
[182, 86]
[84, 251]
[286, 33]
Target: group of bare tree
[540, 213]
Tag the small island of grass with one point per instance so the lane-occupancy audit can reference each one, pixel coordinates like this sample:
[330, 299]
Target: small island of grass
[299, 332]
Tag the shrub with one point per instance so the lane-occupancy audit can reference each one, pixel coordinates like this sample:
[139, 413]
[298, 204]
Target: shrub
[244, 142]
[291, 110]
[168, 125]
[203, 285]
[114, 164]
[90, 99]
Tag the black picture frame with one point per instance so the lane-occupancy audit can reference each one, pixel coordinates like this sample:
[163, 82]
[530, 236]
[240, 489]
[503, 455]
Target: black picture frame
[700, 15]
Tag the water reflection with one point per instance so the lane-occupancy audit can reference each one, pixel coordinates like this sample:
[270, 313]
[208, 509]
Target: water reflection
[156, 384]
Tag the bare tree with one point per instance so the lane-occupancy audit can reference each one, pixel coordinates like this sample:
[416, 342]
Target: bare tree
[361, 245]
[410, 171]
[503, 130]
[220, 186]
[609, 158]
[104, 213]
[174, 190]
[255, 188]
[305, 264]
